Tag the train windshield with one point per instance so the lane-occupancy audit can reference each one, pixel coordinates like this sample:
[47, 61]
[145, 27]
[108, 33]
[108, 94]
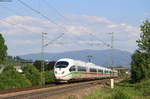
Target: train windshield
[62, 64]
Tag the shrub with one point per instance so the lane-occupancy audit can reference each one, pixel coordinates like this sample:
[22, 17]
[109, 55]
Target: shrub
[48, 67]
[49, 77]
[120, 94]
[10, 78]
[32, 74]
[143, 87]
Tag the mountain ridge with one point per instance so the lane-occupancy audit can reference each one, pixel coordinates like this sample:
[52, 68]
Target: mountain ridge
[99, 57]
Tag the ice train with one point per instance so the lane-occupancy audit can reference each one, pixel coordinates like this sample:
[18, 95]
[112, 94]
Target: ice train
[66, 70]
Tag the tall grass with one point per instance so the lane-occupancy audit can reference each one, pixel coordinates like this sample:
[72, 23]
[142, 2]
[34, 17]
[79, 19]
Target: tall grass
[123, 90]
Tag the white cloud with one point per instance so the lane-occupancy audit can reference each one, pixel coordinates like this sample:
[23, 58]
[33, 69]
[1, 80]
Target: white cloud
[77, 29]
[112, 26]
[91, 42]
[24, 42]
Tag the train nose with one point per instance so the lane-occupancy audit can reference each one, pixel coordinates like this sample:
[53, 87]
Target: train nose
[59, 74]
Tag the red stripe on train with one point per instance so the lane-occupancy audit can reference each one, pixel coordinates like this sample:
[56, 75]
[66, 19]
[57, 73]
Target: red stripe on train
[98, 73]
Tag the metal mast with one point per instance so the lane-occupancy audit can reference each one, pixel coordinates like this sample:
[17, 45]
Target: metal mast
[112, 49]
[42, 60]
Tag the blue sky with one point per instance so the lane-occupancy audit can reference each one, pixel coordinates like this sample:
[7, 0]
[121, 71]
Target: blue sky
[81, 18]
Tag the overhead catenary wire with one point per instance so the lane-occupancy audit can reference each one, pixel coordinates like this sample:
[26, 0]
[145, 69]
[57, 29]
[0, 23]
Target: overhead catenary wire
[52, 7]
[15, 25]
[55, 39]
[44, 16]
[99, 40]
[61, 15]
[41, 14]
[12, 24]
[47, 18]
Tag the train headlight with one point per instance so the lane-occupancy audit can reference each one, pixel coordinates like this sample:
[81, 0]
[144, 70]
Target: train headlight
[63, 72]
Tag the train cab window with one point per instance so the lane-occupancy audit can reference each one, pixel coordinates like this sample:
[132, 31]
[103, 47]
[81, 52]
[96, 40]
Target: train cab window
[73, 68]
[80, 68]
[99, 70]
[62, 64]
[93, 70]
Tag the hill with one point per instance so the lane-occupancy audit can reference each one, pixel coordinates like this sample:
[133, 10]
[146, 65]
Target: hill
[99, 57]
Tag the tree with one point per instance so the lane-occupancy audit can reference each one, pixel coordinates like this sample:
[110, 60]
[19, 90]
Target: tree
[3, 49]
[140, 65]
[32, 74]
[10, 78]
[144, 41]
[38, 64]
[136, 66]
[50, 66]
[47, 65]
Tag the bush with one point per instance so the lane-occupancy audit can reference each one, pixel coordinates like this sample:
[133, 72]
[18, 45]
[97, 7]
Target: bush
[48, 67]
[38, 64]
[120, 94]
[32, 74]
[143, 87]
[10, 78]
[49, 77]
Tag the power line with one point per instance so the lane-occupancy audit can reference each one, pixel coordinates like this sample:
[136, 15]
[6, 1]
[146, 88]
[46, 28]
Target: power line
[58, 12]
[52, 7]
[15, 25]
[53, 40]
[47, 18]
[38, 12]
[48, 4]
[13, 11]
[43, 45]
[99, 39]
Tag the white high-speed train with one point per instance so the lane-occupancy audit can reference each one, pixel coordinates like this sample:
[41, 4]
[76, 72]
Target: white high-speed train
[69, 70]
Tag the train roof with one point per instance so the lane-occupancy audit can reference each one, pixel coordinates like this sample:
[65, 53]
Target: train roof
[91, 65]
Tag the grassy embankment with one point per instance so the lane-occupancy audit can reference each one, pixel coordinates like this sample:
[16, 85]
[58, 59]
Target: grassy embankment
[123, 90]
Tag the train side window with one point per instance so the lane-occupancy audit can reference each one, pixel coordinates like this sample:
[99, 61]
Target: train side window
[101, 71]
[93, 70]
[73, 68]
[80, 68]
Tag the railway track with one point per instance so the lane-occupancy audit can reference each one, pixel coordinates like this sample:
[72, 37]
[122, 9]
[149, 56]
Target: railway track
[24, 89]
[51, 90]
